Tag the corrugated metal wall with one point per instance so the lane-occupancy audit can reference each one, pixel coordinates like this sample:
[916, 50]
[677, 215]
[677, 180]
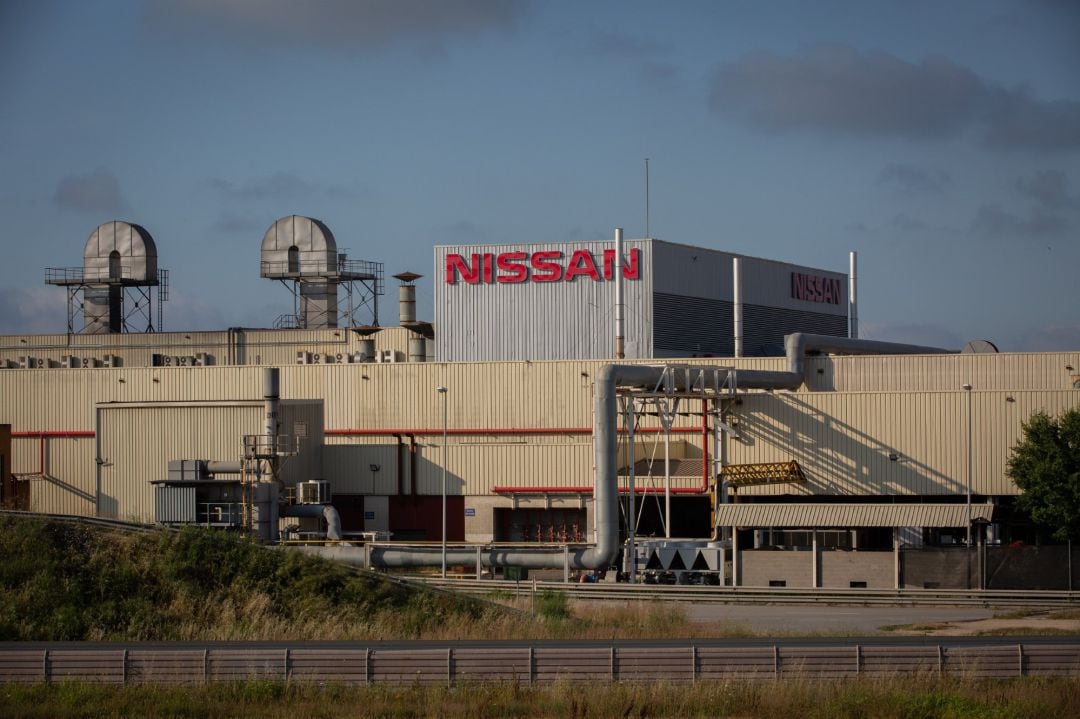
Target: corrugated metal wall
[909, 406]
[138, 440]
[844, 441]
[238, 346]
[694, 303]
[540, 320]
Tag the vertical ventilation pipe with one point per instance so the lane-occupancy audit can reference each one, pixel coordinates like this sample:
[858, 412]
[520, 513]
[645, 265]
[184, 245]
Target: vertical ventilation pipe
[853, 307]
[736, 264]
[272, 402]
[620, 326]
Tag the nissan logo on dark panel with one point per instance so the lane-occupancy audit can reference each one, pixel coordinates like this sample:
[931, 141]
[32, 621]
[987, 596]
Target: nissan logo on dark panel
[815, 288]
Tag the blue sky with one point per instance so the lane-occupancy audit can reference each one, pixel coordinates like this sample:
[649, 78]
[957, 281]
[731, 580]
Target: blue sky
[941, 140]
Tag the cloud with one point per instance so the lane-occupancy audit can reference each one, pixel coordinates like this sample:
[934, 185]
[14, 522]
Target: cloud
[350, 24]
[906, 223]
[185, 312]
[33, 310]
[917, 333]
[234, 224]
[838, 89]
[914, 180]
[98, 192]
[1052, 338]
[993, 221]
[1050, 189]
[605, 42]
[281, 186]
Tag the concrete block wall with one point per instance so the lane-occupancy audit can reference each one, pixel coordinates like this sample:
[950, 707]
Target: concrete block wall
[939, 568]
[758, 567]
[840, 568]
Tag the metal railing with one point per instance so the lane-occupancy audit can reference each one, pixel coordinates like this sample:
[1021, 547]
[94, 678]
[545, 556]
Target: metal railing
[219, 514]
[127, 275]
[344, 268]
[748, 595]
[536, 663]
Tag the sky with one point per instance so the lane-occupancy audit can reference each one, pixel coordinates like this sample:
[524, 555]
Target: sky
[940, 140]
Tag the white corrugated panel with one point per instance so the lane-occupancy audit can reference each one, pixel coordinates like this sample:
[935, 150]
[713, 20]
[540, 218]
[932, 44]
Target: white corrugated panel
[540, 320]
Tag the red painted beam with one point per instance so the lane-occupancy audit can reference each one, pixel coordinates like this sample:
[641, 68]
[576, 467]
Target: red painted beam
[496, 431]
[588, 490]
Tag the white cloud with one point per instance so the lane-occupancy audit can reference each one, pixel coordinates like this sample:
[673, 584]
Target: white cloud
[33, 310]
[842, 90]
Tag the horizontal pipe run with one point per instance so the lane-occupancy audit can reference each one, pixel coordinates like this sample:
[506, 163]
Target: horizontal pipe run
[495, 431]
[42, 435]
[37, 434]
[588, 490]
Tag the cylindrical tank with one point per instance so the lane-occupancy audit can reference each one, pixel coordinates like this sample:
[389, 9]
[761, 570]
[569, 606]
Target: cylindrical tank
[417, 348]
[407, 304]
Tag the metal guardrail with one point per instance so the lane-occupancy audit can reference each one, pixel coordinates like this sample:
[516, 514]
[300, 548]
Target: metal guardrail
[90, 521]
[534, 664]
[774, 595]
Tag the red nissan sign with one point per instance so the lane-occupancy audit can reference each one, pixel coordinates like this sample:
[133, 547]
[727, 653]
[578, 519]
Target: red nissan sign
[545, 266]
[815, 288]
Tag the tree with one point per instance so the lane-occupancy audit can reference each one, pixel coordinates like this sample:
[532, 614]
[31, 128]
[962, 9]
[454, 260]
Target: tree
[1045, 464]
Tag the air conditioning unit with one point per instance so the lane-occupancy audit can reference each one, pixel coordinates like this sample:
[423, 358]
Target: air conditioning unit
[202, 359]
[385, 356]
[69, 362]
[316, 358]
[27, 362]
[110, 361]
[88, 362]
[316, 491]
[184, 361]
[303, 358]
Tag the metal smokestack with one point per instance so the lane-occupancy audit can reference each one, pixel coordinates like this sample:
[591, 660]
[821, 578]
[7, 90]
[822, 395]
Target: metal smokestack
[736, 265]
[620, 329]
[407, 304]
[271, 402]
[407, 298]
[853, 307]
[417, 347]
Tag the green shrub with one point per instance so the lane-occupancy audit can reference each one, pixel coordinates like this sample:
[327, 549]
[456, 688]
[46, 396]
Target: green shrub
[552, 605]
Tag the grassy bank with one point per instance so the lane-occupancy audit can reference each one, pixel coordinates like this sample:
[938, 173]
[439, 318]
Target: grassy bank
[68, 582]
[62, 581]
[892, 698]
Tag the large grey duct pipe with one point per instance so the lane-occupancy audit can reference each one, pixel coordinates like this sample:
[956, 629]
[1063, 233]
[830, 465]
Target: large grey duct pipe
[605, 488]
[325, 511]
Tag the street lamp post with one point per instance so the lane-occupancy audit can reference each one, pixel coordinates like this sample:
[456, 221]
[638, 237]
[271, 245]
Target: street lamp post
[442, 390]
[967, 390]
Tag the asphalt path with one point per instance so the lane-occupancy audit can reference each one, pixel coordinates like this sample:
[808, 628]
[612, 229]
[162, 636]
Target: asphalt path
[808, 619]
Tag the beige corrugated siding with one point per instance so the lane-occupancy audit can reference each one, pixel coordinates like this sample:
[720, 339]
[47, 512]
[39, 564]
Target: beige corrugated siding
[251, 347]
[822, 516]
[842, 439]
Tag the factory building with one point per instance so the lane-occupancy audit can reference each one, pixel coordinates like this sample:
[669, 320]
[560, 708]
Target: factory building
[838, 464]
[554, 301]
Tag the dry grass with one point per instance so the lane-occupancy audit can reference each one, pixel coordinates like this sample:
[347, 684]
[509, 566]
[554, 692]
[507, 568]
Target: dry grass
[887, 698]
